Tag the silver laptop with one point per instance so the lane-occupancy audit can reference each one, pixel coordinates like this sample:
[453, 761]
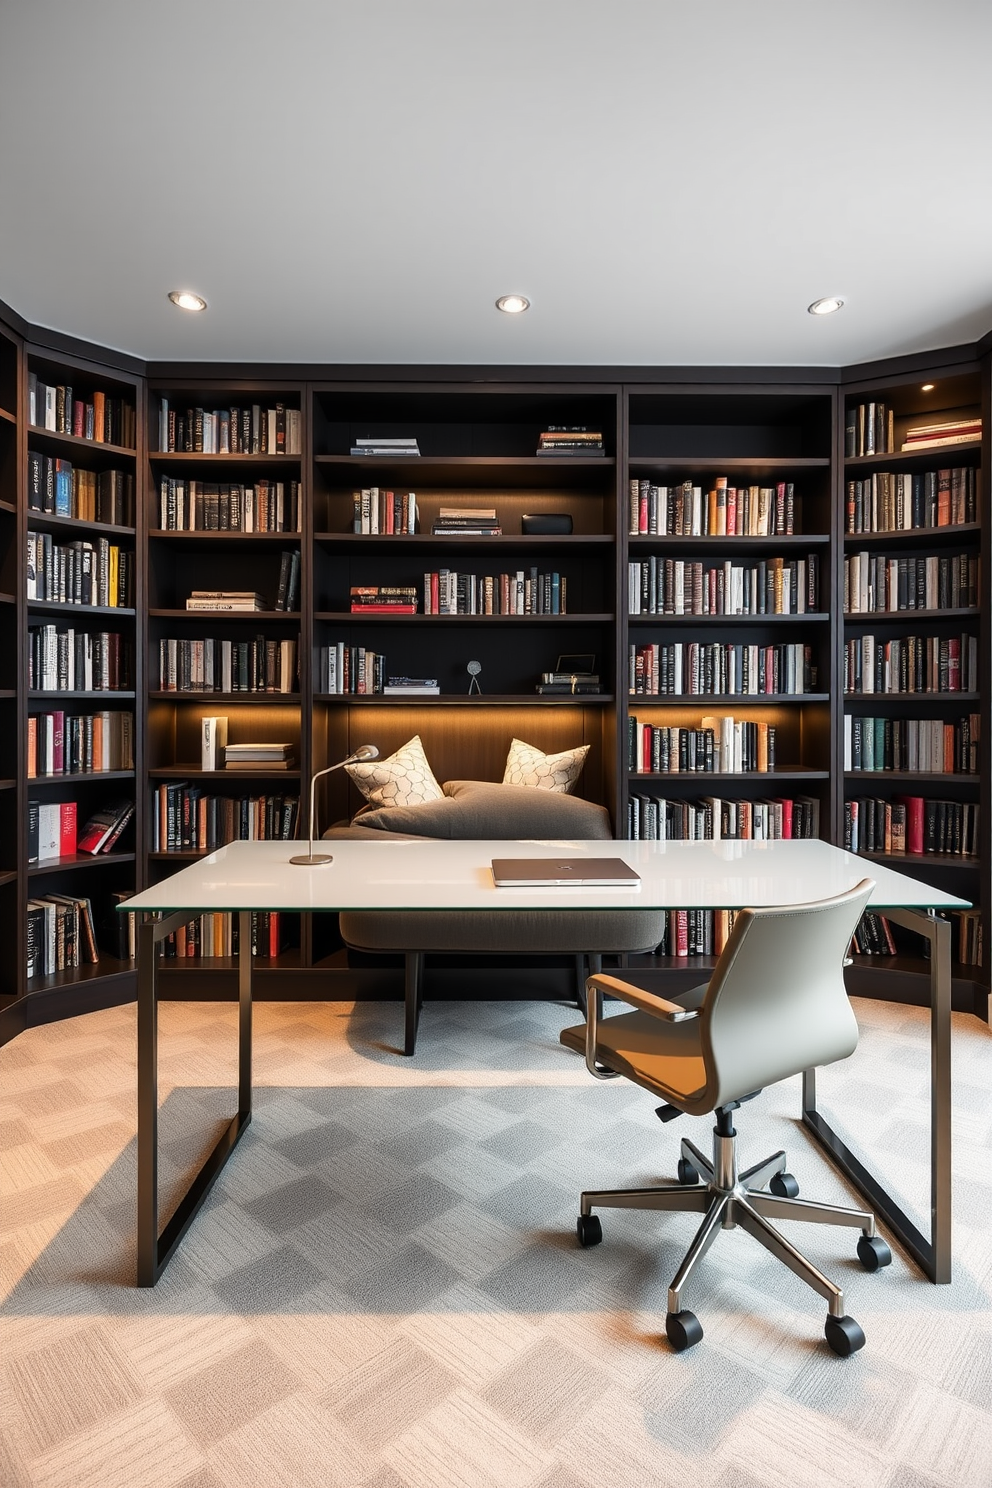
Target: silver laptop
[526, 873]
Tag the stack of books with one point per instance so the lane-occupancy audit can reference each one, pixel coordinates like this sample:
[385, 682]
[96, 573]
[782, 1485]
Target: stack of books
[104, 828]
[257, 757]
[933, 436]
[226, 599]
[412, 687]
[570, 439]
[407, 447]
[568, 682]
[466, 521]
[383, 599]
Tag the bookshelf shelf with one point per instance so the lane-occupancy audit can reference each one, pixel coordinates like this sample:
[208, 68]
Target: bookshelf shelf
[729, 544]
[453, 700]
[8, 876]
[697, 779]
[186, 772]
[86, 449]
[355, 541]
[965, 451]
[924, 860]
[8, 418]
[221, 697]
[923, 537]
[107, 970]
[736, 621]
[186, 458]
[79, 861]
[53, 523]
[40, 781]
[206, 539]
[79, 612]
[862, 617]
[909, 777]
[37, 695]
[914, 698]
[208, 617]
[726, 699]
[348, 617]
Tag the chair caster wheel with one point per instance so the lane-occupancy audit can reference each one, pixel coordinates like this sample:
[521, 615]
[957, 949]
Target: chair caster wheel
[684, 1329]
[784, 1186]
[589, 1230]
[687, 1173]
[873, 1253]
[844, 1335]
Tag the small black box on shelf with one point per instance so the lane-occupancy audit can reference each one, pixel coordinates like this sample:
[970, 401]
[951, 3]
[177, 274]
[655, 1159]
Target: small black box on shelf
[545, 523]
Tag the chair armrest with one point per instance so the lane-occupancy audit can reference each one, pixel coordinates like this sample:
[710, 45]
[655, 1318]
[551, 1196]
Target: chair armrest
[659, 1007]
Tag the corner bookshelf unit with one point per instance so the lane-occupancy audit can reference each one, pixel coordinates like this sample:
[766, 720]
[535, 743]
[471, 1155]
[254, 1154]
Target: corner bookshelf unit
[11, 608]
[78, 524]
[909, 518]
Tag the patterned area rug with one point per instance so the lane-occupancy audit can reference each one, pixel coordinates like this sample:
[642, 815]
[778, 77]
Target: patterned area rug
[385, 1290]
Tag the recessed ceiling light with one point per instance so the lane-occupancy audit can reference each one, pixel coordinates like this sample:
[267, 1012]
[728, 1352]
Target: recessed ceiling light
[928, 387]
[513, 304]
[187, 300]
[825, 307]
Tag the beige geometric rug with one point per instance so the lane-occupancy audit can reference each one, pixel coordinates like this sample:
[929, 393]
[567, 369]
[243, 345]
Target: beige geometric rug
[385, 1290]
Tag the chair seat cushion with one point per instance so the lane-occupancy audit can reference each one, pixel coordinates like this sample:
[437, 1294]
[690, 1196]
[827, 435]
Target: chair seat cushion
[663, 1057]
[539, 932]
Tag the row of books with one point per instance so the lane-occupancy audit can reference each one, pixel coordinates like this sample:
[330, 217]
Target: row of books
[969, 937]
[187, 819]
[696, 932]
[720, 746]
[724, 511]
[62, 743]
[924, 745]
[715, 819]
[351, 669]
[218, 933]
[251, 430]
[869, 429]
[209, 506]
[79, 573]
[525, 592]
[466, 521]
[60, 934]
[570, 440]
[406, 446]
[383, 599]
[772, 586]
[873, 937]
[209, 665]
[78, 660]
[381, 513]
[698, 669]
[53, 830]
[887, 501]
[61, 489]
[910, 664]
[105, 420]
[874, 582]
[911, 824]
[217, 754]
[948, 431]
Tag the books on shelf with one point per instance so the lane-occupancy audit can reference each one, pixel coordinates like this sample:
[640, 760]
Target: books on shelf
[187, 819]
[217, 934]
[368, 445]
[524, 592]
[719, 746]
[60, 934]
[259, 756]
[769, 586]
[246, 430]
[104, 828]
[714, 819]
[911, 664]
[226, 599]
[466, 521]
[62, 743]
[950, 431]
[60, 489]
[873, 937]
[52, 828]
[869, 429]
[696, 932]
[288, 588]
[383, 599]
[875, 582]
[570, 440]
[381, 513]
[209, 506]
[913, 745]
[697, 669]
[684, 510]
[970, 949]
[59, 410]
[261, 665]
[84, 573]
[412, 687]
[915, 825]
[78, 660]
[896, 501]
[350, 669]
[213, 739]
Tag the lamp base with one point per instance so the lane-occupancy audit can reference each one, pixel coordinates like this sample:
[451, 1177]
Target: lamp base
[312, 860]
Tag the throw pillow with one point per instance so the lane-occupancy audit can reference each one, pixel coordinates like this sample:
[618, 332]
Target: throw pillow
[404, 779]
[528, 765]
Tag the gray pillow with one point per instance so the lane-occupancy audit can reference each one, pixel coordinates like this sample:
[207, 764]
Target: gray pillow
[481, 808]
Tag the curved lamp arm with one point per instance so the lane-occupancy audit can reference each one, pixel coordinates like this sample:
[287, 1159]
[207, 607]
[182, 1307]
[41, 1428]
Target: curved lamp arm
[311, 859]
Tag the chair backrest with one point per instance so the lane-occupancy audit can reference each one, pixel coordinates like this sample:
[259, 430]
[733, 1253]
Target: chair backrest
[776, 1002]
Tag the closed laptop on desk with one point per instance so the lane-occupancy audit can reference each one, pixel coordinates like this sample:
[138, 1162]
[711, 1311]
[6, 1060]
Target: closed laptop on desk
[526, 873]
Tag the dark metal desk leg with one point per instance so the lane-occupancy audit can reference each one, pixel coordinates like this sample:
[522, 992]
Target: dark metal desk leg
[933, 1254]
[244, 1014]
[147, 1107]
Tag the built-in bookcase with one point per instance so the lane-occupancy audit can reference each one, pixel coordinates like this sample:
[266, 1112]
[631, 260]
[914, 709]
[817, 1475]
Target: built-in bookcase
[11, 597]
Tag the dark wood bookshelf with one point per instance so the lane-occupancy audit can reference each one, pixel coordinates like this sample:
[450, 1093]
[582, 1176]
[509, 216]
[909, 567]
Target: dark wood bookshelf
[79, 612]
[923, 537]
[79, 860]
[662, 617]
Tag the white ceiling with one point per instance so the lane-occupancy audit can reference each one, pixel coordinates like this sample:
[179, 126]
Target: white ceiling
[668, 182]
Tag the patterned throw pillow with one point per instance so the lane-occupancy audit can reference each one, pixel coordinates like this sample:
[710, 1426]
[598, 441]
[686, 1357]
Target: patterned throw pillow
[404, 779]
[528, 765]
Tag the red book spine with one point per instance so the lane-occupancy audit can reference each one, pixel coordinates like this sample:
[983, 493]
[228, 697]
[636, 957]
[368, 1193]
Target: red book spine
[943, 498]
[914, 822]
[953, 665]
[787, 819]
[67, 829]
[732, 511]
[681, 932]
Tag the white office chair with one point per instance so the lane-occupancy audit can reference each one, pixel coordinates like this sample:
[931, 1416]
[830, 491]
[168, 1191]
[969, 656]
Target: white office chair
[775, 1005]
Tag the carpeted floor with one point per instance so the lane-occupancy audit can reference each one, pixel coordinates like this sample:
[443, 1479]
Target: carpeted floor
[385, 1289]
